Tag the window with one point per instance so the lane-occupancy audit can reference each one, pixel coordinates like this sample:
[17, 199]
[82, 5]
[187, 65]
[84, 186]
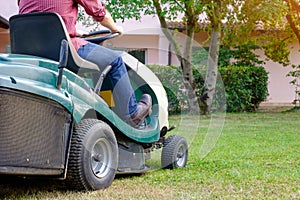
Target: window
[139, 54]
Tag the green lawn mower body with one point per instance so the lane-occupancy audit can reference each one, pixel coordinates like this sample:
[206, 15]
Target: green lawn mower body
[54, 122]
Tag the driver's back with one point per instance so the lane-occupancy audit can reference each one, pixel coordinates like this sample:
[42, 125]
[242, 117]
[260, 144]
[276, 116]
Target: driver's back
[68, 10]
[40, 34]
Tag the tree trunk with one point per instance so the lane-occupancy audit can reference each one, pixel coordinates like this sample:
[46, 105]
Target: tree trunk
[186, 64]
[214, 48]
[185, 57]
[212, 71]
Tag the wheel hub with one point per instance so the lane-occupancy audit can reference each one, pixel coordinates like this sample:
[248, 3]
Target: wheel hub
[101, 158]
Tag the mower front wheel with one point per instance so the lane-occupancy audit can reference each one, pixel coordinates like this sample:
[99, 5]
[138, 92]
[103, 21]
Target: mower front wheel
[93, 158]
[174, 153]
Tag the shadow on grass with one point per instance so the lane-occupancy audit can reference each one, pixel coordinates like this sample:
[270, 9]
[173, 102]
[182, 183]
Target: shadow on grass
[13, 187]
[293, 109]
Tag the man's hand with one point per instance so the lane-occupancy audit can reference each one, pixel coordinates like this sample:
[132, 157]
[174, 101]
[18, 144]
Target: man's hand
[81, 33]
[119, 29]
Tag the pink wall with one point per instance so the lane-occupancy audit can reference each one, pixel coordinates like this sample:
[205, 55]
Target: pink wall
[4, 40]
[280, 90]
[8, 8]
[147, 42]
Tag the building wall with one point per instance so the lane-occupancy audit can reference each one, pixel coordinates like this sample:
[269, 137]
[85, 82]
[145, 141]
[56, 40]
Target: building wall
[149, 43]
[281, 92]
[4, 40]
[7, 9]
[280, 89]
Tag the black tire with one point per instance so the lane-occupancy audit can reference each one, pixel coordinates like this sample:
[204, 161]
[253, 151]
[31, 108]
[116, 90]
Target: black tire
[174, 153]
[93, 158]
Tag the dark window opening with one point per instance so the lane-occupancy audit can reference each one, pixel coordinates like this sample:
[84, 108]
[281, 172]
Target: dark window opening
[139, 54]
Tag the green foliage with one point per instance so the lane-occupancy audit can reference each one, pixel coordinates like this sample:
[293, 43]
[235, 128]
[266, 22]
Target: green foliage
[245, 87]
[245, 82]
[134, 9]
[172, 80]
[129, 9]
[295, 74]
[262, 22]
[242, 55]
[199, 56]
[278, 50]
[86, 20]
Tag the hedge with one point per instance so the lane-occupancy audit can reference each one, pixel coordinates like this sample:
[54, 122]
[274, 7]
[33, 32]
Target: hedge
[245, 87]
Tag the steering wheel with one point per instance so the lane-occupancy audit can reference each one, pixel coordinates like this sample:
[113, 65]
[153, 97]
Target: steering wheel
[105, 35]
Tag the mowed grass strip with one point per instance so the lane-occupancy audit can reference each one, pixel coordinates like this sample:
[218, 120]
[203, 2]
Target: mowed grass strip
[257, 156]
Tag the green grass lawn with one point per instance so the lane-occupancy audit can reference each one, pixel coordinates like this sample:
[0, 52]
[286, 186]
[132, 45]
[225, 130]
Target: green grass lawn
[257, 156]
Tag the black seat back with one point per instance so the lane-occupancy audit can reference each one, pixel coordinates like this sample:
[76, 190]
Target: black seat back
[40, 34]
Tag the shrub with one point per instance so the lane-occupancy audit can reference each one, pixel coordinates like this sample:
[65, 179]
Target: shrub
[172, 80]
[245, 87]
[295, 74]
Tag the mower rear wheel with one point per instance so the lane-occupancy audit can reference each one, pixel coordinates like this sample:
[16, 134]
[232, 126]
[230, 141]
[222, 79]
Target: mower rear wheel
[93, 158]
[174, 153]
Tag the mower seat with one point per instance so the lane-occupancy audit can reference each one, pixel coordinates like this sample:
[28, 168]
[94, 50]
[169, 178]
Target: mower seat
[40, 34]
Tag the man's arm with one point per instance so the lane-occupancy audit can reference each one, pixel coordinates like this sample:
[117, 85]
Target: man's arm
[109, 23]
[97, 10]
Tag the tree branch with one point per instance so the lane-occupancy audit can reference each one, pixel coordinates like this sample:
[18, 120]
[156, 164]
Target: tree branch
[178, 4]
[293, 5]
[166, 30]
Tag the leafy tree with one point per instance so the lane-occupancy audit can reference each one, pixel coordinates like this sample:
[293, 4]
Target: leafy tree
[264, 23]
[293, 18]
[212, 11]
[167, 10]
[279, 26]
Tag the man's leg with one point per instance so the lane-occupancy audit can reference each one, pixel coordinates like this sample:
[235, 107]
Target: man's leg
[123, 93]
[126, 105]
